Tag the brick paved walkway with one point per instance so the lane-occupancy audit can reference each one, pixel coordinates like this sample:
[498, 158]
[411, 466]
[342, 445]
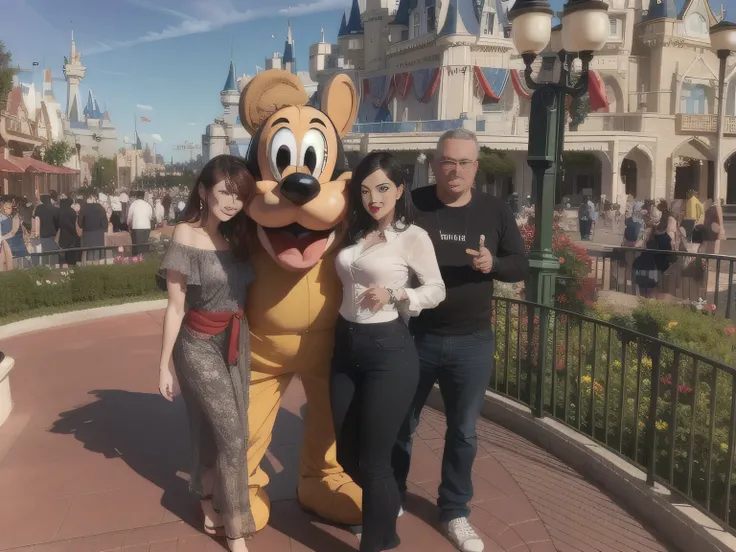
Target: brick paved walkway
[93, 460]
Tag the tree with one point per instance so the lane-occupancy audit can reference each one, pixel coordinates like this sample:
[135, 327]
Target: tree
[579, 109]
[58, 153]
[495, 163]
[6, 74]
[104, 172]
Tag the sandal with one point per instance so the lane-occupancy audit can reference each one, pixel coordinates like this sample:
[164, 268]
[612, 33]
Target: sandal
[214, 530]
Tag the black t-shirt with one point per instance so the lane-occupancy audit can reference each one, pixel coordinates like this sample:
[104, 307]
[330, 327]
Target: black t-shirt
[48, 217]
[467, 306]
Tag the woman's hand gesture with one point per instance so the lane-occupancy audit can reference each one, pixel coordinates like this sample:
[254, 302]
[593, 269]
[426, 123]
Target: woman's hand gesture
[166, 383]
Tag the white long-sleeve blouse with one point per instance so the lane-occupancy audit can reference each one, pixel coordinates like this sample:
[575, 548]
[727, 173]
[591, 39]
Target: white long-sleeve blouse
[390, 264]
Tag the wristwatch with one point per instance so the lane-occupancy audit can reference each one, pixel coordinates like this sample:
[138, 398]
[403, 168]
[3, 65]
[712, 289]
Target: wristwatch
[391, 297]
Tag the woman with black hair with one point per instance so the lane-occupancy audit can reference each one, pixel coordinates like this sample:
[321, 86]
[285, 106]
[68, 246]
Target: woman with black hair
[375, 368]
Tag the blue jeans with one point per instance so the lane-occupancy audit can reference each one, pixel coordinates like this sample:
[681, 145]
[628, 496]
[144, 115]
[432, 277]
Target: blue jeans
[462, 364]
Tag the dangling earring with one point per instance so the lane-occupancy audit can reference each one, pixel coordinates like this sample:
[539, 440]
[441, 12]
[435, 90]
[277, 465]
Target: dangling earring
[201, 204]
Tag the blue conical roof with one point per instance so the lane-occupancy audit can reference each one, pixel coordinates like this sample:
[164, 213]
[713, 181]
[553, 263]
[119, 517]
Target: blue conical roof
[230, 82]
[402, 12]
[660, 9]
[343, 26]
[354, 25]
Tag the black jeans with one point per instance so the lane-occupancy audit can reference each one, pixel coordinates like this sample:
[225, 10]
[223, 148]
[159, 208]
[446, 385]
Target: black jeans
[374, 376]
[462, 364]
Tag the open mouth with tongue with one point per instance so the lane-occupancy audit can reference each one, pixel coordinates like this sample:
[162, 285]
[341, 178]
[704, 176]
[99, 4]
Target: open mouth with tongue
[295, 247]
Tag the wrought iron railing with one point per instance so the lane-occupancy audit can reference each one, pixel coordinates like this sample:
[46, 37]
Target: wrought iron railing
[109, 254]
[668, 410]
[691, 276]
[408, 126]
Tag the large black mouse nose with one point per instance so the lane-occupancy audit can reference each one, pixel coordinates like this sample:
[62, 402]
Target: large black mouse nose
[300, 188]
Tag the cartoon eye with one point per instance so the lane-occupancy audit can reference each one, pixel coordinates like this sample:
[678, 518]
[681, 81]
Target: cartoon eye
[314, 150]
[282, 152]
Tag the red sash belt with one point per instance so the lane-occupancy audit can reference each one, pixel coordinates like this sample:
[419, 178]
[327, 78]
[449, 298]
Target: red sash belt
[214, 323]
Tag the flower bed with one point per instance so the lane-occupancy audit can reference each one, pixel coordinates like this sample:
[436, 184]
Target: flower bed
[575, 288]
[39, 288]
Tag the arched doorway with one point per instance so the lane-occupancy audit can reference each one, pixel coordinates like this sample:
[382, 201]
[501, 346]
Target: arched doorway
[692, 169]
[581, 176]
[614, 95]
[636, 174]
[730, 192]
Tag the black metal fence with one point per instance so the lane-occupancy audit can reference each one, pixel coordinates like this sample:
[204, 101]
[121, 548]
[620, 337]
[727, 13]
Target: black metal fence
[668, 410]
[109, 254]
[690, 276]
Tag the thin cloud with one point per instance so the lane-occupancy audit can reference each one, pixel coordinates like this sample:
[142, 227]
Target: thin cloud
[144, 107]
[192, 124]
[214, 16]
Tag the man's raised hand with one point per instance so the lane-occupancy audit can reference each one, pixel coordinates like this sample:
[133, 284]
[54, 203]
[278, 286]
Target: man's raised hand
[482, 258]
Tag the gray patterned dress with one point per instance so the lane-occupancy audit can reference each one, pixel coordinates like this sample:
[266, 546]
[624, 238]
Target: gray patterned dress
[216, 395]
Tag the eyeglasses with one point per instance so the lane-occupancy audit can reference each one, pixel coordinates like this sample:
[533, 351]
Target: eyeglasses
[463, 165]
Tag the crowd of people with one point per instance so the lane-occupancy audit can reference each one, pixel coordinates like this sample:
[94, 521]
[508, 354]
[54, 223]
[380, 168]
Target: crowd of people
[66, 230]
[417, 270]
[681, 225]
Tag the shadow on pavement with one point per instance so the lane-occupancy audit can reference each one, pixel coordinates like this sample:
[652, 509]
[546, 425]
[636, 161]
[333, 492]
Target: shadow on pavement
[151, 435]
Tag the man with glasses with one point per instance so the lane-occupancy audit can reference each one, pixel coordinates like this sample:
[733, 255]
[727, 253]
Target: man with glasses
[476, 241]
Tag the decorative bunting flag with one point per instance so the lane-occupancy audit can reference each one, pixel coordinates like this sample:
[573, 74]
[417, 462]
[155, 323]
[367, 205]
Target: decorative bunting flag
[145, 119]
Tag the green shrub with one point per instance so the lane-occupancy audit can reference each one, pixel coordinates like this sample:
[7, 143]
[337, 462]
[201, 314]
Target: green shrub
[37, 288]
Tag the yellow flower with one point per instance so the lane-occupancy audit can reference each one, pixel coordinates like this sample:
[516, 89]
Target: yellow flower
[641, 425]
[646, 362]
[672, 324]
[586, 379]
[724, 447]
[661, 425]
[616, 364]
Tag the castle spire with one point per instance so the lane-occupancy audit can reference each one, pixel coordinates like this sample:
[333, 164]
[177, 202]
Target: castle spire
[74, 46]
[660, 9]
[288, 31]
[322, 30]
[230, 82]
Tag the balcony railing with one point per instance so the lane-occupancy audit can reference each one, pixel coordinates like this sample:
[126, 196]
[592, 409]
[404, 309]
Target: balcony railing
[661, 407]
[408, 126]
[703, 124]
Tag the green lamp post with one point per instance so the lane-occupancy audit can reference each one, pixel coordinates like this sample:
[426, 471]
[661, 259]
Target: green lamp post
[585, 27]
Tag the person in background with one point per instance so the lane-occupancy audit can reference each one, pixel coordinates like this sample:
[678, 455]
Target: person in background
[45, 226]
[166, 202]
[68, 233]
[11, 231]
[93, 224]
[476, 241]
[514, 203]
[694, 214]
[140, 215]
[159, 212]
[375, 362]
[25, 210]
[585, 218]
[713, 230]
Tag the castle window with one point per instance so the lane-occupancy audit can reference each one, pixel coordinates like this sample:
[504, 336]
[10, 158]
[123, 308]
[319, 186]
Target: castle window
[415, 21]
[696, 25]
[488, 21]
[693, 99]
[614, 26]
[431, 19]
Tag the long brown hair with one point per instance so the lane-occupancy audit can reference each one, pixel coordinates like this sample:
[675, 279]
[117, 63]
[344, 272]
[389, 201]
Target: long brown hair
[238, 181]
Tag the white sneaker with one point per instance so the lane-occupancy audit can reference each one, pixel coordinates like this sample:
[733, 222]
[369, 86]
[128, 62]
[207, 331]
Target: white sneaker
[463, 536]
[401, 512]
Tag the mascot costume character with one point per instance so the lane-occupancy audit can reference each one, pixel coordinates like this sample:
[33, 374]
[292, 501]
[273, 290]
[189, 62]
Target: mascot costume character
[297, 214]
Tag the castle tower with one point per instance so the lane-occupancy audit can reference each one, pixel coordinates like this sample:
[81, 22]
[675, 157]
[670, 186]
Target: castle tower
[318, 56]
[376, 18]
[289, 57]
[230, 98]
[350, 39]
[74, 73]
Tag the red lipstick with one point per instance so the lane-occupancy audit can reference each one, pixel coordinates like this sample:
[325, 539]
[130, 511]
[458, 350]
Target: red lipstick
[374, 209]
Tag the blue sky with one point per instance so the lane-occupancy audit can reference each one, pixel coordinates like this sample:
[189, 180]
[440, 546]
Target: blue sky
[169, 55]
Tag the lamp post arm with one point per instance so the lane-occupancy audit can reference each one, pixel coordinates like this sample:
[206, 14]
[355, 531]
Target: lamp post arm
[581, 86]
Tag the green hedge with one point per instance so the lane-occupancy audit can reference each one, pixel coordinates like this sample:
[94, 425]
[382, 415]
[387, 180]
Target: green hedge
[42, 288]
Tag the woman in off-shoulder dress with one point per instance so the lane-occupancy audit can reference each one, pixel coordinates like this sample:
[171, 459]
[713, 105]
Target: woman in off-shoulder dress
[207, 274]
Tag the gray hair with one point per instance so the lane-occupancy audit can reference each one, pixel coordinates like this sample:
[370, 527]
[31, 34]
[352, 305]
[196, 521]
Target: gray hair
[458, 134]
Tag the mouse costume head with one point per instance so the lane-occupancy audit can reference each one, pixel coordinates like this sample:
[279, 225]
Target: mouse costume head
[297, 159]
